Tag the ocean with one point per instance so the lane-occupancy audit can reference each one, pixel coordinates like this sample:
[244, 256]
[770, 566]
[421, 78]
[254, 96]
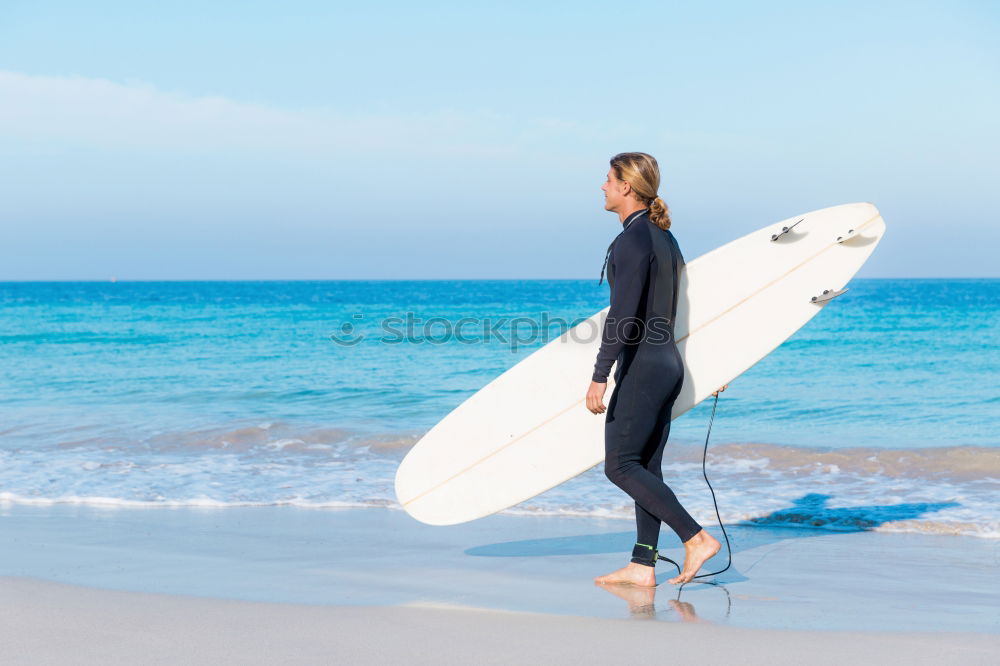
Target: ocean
[881, 413]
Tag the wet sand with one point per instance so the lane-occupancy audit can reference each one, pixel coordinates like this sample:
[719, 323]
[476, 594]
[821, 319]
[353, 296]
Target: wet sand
[260, 584]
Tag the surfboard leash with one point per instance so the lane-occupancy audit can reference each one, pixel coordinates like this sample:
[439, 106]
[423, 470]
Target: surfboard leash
[704, 473]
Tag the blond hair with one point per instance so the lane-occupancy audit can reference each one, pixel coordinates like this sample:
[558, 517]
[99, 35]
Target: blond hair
[642, 173]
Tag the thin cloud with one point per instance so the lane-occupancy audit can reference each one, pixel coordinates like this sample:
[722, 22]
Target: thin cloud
[99, 112]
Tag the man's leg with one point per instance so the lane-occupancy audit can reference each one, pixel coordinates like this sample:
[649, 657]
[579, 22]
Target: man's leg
[634, 446]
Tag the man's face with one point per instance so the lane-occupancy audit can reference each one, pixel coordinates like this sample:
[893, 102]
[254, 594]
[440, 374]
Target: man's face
[615, 191]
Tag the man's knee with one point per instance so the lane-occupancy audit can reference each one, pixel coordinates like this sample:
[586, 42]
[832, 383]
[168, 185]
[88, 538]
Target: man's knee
[618, 472]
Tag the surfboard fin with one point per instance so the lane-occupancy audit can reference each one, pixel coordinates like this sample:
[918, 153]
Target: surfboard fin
[785, 230]
[828, 294]
[849, 235]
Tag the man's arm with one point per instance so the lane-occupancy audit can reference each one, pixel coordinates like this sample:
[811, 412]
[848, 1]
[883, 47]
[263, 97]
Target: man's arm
[631, 261]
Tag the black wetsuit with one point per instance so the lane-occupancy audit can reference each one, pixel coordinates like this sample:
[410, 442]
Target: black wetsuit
[643, 271]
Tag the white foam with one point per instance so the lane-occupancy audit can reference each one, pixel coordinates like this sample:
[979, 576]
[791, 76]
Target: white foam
[757, 483]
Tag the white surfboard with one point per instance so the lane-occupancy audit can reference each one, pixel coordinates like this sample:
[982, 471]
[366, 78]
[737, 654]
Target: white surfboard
[529, 429]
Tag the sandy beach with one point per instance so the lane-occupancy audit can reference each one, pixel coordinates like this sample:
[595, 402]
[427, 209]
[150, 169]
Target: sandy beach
[369, 585]
[57, 623]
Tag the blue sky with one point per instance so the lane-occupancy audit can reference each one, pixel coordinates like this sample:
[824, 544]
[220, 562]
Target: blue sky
[315, 140]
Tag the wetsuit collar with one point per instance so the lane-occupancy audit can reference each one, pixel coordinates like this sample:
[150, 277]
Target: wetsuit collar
[625, 225]
[628, 220]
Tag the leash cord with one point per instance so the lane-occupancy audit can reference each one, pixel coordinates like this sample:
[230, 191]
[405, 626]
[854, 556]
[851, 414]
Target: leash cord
[704, 473]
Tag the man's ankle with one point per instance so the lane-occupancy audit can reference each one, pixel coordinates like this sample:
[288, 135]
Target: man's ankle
[697, 538]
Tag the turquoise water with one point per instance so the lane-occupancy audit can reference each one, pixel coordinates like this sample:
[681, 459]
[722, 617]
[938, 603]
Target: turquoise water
[223, 393]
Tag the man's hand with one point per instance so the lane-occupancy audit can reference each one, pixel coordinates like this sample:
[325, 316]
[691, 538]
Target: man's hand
[716, 393]
[595, 397]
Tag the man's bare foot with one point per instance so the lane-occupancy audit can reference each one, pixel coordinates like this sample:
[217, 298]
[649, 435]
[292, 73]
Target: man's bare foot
[636, 574]
[697, 549]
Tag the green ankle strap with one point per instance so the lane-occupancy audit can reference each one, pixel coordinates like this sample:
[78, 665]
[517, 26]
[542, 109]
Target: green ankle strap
[645, 554]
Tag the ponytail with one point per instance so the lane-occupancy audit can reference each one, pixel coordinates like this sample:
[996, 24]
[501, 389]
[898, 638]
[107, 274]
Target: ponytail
[658, 213]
